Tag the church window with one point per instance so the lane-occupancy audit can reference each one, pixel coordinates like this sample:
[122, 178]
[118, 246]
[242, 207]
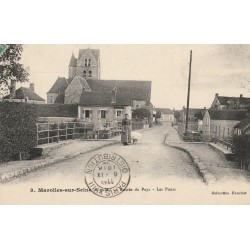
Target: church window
[89, 62]
[84, 73]
[86, 62]
[90, 73]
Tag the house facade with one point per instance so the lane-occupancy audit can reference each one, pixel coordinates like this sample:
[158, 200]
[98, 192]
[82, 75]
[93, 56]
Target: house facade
[167, 115]
[218, 123]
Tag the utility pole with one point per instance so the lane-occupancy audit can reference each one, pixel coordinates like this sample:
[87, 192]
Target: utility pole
[188, 94]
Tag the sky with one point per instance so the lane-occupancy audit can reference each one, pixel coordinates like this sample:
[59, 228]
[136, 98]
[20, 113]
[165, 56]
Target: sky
[223, 69]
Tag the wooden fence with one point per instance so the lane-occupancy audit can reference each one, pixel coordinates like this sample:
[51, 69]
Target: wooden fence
[55, 132]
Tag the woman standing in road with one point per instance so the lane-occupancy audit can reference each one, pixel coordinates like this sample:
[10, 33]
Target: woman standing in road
[126, 131]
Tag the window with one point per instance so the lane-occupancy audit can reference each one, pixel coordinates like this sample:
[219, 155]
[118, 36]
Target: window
[89, 62]
[118, 113]
[103, 114]
[87, 113]
[90, 73]
[86, 62]
[84, 73]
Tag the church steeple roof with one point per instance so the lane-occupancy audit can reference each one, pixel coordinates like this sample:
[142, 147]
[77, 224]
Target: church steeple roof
[73, 61]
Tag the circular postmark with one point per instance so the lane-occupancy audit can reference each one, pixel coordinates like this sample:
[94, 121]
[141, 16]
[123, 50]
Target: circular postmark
[107, 174]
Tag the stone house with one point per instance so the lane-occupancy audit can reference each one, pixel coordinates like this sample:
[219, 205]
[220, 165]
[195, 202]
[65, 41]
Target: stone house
[217, 123]
[233, 103]
[106, 101]
[23, 94]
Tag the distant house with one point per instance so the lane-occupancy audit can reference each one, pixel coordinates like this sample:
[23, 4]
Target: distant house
[195, 118]
[226, 102]
[167, 115]
[57, 92]
[243, 127]
[220, 122]
[191, 114]
[23, 94]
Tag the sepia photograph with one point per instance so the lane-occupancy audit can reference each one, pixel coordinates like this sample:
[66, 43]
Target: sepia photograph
[124, 124]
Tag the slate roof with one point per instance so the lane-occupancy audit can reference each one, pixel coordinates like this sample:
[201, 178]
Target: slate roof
[73, 61]
[60, 85]
[225, 99]
[234, 115]
[95, 52]
[127, 90]
[23, 93]
[165, 111]
[96, 98]
[193, 111]
[83, 82]
[243, 124]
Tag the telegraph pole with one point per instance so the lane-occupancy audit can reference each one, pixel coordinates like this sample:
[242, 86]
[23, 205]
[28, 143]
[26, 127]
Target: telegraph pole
[188, 94]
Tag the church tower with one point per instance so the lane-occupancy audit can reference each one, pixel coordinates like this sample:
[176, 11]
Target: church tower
[87, 65]
[72, 67]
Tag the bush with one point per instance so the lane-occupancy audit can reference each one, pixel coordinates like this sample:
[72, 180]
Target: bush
[17, 129]
[141, 113]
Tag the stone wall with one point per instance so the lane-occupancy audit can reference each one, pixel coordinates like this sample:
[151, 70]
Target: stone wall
[51, 97]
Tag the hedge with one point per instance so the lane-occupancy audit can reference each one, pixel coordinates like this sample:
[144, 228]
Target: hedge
[17, 129]
[57, 110]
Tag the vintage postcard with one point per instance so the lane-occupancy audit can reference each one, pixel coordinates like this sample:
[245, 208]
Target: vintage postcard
[124, 124]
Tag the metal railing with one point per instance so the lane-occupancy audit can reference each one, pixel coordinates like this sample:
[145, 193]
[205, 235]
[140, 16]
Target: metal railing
[224, 136]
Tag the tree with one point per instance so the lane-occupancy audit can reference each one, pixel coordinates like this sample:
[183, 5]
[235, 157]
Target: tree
[177, 115]
[141, 113]
[158, 114]
[11, 68]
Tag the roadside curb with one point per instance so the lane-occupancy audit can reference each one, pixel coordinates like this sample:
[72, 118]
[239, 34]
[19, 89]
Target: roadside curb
[6, 177]
[206, 175]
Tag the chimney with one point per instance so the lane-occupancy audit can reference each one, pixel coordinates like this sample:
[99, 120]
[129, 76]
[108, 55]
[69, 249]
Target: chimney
[13, 89]
[216, 94]
[32, 87]
[205, 108]
[113, 100]
[241, 95]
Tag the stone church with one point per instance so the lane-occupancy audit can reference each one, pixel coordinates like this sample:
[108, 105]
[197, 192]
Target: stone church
[99, 101]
